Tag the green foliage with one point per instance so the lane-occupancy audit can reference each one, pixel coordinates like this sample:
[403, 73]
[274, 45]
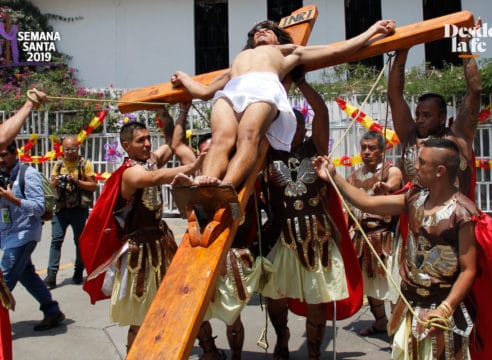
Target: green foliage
[348, 79]
[448, 81]
[486, 74]
[55, 79]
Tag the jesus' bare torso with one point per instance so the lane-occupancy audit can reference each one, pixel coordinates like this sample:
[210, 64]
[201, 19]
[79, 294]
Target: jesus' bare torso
[278, 59]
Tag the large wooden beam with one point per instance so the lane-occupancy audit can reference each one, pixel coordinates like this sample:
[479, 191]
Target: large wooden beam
[404, 37]
[174, 318]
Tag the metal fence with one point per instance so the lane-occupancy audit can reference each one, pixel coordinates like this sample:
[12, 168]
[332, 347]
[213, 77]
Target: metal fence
[43, 122]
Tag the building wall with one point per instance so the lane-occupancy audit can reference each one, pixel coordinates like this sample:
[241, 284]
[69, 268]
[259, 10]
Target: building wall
[243, 15]
[131, 44]
[125, 43]
[406, 12]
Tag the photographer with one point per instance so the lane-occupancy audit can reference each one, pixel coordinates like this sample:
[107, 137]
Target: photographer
[74, 182]
[8, 131]
[20, 231]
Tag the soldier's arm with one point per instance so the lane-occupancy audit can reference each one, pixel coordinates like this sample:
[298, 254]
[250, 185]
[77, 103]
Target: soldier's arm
[466, 122]
[400, 111]
[321, 125]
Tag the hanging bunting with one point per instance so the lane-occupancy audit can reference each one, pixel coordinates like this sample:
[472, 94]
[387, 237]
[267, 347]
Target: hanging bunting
[367, 122]
[485, 113]
[57, 146]
[94, 124]
[483, 163]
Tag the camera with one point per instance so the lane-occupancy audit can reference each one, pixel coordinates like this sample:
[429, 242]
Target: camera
[64, 180]
[4, 179]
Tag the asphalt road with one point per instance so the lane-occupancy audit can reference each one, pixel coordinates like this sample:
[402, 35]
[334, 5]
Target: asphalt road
[88, 334]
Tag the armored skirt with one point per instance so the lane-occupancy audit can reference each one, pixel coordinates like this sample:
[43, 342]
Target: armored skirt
[236, 286]
[139, 273]
[379, 233]
[293, 280]
[307, 261]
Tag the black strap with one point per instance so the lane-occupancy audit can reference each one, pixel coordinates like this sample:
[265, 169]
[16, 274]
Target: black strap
[22, 181]
[58, 167]
[81, 168]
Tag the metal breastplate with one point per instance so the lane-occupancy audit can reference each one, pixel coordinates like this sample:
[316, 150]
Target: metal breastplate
[305, 226]
[151, 244]
[431, 264]
[378, 228]
[366, 181]
[147, 206]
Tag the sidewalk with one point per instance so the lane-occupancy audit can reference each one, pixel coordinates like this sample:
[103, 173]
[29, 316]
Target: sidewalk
[87, 333]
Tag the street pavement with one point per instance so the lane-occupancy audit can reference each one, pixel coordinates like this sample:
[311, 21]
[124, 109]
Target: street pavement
[87, 333]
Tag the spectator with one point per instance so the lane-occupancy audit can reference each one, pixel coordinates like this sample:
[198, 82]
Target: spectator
[20, 231]
[74, 182]
[8, 131]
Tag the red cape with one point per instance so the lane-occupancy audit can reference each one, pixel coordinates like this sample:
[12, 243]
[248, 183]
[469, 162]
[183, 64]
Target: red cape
[99, 239]
[481, 294]
[5, 335]
[349, 306]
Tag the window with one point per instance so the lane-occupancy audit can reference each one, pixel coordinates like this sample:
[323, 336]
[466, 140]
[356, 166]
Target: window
[211, 35]
[277, 9]
[359, 16]
[438, 53]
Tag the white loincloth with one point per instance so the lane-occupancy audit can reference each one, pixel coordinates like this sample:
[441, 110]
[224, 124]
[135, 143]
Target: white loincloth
[253, 87]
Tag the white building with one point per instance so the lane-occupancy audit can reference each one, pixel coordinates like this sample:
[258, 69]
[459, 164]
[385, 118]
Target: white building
[131, 44]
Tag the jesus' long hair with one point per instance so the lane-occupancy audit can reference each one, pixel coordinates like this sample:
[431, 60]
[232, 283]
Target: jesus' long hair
[282, 35]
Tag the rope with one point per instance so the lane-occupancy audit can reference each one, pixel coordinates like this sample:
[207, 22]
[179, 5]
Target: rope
[263, 339]
[335, 146]
[35, 100]
[104, 100]
[385, 127]
[30, 96]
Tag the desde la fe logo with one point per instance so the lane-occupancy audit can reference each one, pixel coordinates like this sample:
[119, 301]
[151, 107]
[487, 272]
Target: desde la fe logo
[474, 46]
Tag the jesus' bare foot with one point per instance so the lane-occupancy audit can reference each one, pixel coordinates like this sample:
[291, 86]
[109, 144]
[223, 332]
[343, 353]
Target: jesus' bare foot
[182, 179]
[204, 180]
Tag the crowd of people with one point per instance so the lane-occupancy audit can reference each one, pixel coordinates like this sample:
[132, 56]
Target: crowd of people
[424, 237]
